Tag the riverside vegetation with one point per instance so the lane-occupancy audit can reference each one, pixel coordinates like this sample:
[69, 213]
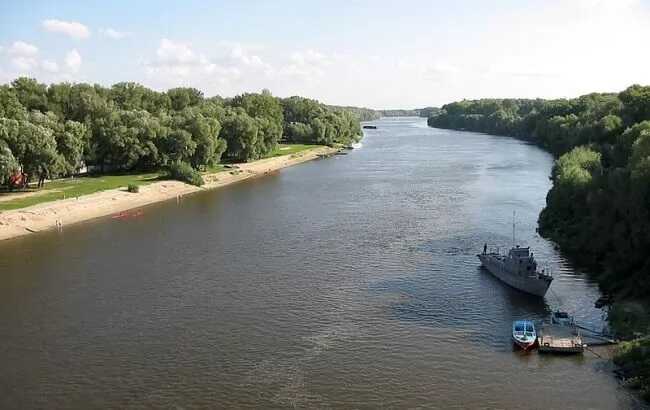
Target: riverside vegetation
[598, 209]
[56, 130]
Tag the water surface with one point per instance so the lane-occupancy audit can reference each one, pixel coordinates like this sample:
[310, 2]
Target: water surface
[350, 282]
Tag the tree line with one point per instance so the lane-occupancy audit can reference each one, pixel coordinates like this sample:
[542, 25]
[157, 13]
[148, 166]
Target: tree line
[368, 114]
[598, 209]
[48, 131]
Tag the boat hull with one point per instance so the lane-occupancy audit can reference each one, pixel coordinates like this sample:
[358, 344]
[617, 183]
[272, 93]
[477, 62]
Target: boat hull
[525, 346]
[530, 285]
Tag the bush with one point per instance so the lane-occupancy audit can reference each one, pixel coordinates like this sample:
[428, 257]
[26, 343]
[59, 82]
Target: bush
[133, 188]
[184, 172]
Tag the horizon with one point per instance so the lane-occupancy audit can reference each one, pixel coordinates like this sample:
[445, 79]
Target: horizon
[372, 55]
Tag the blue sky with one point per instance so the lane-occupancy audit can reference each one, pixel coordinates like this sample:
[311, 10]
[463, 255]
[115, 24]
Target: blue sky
[380, 54]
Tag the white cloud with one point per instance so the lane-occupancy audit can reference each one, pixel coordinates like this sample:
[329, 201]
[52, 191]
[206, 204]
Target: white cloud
[20, 48]
[180, 64]
[175, 53]
[23, 55]
[50, 66]
[308, 65]
[73, 29]
[73, 60]
[114, 34]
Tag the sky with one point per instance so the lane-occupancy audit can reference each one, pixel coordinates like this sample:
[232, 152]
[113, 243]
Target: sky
[377, 54]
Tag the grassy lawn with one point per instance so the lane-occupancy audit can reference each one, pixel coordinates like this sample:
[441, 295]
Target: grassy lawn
[214, 169]
[287, 149]
[70, 188]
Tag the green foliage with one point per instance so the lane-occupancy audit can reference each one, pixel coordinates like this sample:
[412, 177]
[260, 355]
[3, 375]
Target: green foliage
[633, 358]
[598, 210]
[133, 188]
[31, 94]
[240, 132]
[10, 107]
[362, 114]
[53, 131]
[181, 98]
[184, 172]
[307, 121]
[8, 163]
[636, 103]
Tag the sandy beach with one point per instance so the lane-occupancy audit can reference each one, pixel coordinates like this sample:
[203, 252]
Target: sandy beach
[49, 215]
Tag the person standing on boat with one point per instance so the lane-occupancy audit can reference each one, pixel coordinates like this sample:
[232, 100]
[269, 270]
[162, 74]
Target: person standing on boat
[484, 248]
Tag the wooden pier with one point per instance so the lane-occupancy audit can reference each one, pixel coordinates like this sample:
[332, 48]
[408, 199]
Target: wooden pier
[568, 339]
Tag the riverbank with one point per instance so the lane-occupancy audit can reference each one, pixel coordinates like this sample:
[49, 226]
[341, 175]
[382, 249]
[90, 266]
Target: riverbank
[63, 212]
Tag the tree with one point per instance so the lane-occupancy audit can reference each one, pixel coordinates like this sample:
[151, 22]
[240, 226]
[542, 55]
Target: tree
[8, 163]
[196, 138]
[10, 107]
[636, 104]
[183, 97]
[241, 134]
[129, 139]
[31, 94]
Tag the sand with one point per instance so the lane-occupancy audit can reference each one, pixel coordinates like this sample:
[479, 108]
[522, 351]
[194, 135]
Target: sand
[118, 202]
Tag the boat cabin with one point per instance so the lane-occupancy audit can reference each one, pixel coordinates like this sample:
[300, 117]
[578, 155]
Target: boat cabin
[520, 260]
[524, 328]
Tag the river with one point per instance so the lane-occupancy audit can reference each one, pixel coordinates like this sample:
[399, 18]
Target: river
[349, 282]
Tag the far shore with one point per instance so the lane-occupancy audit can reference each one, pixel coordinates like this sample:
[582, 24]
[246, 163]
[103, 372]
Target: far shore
[60, 213]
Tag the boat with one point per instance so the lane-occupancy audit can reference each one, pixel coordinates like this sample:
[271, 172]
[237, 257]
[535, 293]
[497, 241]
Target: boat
[523, 334]
[517, 269]
[561, 318]
[370, 127]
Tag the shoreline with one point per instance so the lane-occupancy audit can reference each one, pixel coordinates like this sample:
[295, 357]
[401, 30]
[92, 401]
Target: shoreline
[51, 215]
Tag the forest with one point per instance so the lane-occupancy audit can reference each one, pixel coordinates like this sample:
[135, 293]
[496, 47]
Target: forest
[598, 209]
[50, 131]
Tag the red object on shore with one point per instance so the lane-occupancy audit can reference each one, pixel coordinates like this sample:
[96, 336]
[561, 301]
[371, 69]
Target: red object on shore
[18, 180]
[127, 214]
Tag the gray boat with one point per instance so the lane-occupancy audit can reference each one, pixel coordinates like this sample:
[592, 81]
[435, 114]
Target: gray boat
[518, 269]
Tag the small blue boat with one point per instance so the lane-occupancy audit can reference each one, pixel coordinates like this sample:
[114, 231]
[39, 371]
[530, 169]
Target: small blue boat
[523, 334]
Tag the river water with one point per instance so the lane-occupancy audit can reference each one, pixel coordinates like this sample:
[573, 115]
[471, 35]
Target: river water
[350, 282]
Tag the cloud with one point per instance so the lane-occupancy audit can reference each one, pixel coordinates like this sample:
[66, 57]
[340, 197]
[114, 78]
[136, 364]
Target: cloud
[23, 55]
[73, 29]
[179, 63]
[50, 66]
[307, 64]
[175, 53]
[73, 60]
[114, 34]
[20, 48]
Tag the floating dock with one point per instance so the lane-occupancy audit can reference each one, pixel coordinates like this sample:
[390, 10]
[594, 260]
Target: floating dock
[554, 338]
[560, 339]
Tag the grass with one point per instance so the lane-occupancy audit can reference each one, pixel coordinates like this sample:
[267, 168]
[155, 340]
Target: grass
[214, 169]
[71, 188]
[288, 149]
